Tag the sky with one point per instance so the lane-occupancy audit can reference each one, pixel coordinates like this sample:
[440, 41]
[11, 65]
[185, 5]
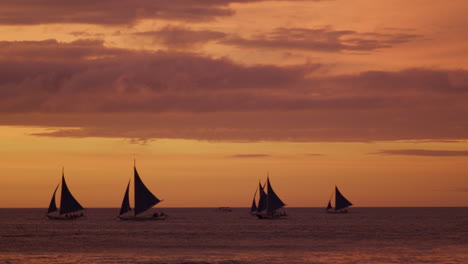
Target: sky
[210, 96]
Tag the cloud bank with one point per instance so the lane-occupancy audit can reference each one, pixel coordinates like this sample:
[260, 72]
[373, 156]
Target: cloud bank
[109, 92]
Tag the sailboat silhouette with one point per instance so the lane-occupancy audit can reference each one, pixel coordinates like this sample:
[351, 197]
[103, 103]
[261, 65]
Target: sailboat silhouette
[69, 206]
[341, 203]
[144, 200]
[268, 203]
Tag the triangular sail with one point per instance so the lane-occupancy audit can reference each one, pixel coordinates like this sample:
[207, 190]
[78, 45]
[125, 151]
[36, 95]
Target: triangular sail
[340, 201]
[52, 205]
[126, 202]
[68, 203]
[273, 202]
[144, 199]
[329, 206]
[262, 200]
[254, 208]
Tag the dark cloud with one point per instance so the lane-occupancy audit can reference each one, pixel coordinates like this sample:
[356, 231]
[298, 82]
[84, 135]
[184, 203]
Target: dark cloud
[424, 152]
[109, 92]
[322, 39]
[243, 156]
[106, 12]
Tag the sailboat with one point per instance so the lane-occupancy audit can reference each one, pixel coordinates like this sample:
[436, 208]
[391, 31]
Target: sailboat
[70, 208]
[144, 200]
[341, 203]
[268, 203]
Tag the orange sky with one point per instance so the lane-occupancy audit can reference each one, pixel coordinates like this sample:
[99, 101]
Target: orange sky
[209, 96]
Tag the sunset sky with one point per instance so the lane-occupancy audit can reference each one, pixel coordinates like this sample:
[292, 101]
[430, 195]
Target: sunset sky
[211, 95]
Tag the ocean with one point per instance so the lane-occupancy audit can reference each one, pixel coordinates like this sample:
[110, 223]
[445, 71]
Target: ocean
[205, 236]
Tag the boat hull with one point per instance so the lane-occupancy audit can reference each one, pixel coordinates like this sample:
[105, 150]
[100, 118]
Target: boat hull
[338, 212]
[63, 218]
[272, 216]
[133, 218]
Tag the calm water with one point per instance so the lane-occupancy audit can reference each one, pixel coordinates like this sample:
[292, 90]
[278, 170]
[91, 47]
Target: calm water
[366, 235]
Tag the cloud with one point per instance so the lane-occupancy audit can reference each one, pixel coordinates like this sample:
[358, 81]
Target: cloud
[243, 156]
[321, 39]
[106, 12]
[181, 37]
[51, 50]
[424, 152]
[108, 92]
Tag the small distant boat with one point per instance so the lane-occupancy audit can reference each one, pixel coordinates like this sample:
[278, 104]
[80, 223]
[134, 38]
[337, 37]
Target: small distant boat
[144, 200]
[268, 203]
[70, 208]
[224, 209]
[341, 203]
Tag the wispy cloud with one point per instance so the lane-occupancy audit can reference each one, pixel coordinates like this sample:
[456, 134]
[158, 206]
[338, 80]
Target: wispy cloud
[180, 37]
[423, 152]
[321, 39]
[462, 189]
[243, 156]
[52, 50]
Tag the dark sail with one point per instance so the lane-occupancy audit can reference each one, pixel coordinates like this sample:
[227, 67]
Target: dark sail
[126, 202]
[340, 201]
[68, 204]
[273, 201]
[144, 199]
[52, 205]
[262, 201]
[329, 206]
[253, 208]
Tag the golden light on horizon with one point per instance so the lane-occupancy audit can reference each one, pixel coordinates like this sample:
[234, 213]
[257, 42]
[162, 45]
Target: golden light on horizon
[189, 173]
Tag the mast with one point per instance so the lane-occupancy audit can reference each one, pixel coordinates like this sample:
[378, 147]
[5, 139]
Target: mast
[68, 203]
[144, 199]
[340, 201]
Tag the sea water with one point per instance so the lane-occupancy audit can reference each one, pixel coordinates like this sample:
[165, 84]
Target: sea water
[205, 235]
